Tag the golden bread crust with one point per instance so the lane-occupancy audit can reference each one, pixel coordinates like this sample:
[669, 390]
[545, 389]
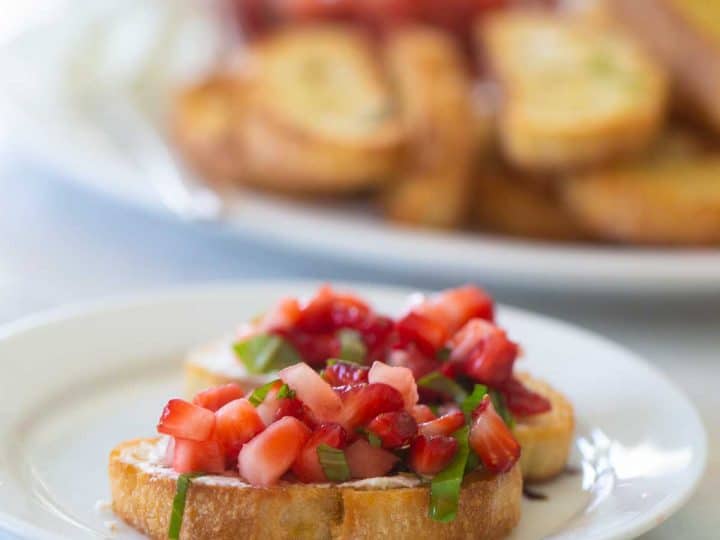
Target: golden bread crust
[489, 508]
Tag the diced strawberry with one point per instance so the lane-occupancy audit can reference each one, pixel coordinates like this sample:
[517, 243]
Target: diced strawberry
[363, 402]
[430, 455]
[328, 310]
[366, 461]
[297, 409]
[312, 390]
[484, 351]
[236, 423]
[411, 357]
[395, 429]
[314, 349]
[492, 440]
[217, 396]
[186, 421]
[270, 405]
[455, 307]
[521, 401]
[343, 373]
[445, 425]
[285, 315]
[376, 331]
[422, 413]
[428, 334]
[197, 456]
[270, 454]
[307, 465]
[400, 378]
[448, 408]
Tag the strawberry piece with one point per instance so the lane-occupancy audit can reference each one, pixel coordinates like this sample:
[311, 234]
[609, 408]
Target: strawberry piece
[343, 373]
[197, 456]
[271, 453]
[400, 378]
[376, 331]
[492, 440]
[312, 390]
[328, 310]
[431, 454]
[307, 465]
[422, 413]
[428, 334]
[270, 405]
[411, 357]
[395, 429]
[297, 409]
[217, 396]
[182, 419]
[455, 307]
[236, 423]
[445, 425]
[285, 315]
[521, 401]
[366, 461]
[485, 352]
[363, 402]
[314, 349]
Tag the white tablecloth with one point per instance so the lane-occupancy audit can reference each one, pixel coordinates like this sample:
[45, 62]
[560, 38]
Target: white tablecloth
[60, 245]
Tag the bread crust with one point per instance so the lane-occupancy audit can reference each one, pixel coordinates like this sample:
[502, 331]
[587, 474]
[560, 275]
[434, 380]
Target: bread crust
[489, 508]
[592, 94]
[545, 439]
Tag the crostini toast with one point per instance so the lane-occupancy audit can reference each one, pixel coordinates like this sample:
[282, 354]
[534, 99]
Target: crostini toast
[225, 508]
[574, 94]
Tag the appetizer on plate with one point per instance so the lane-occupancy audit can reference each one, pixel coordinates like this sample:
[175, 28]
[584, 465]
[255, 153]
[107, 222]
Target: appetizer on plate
[449, 343]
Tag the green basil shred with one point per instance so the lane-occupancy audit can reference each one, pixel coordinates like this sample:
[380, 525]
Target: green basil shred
[333, 463]
[285, 392]
[352, 346]
[498, 401]
[445, 385]
[470, 403]
[260, 393]
[178, 505]
[264, 353]
[445, 486]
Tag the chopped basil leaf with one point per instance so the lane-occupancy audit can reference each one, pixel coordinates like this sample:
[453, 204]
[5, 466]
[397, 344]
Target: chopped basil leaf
[264, 353]
[372, 438]
[445, 486]
[333, 463]
[178, 504]
[285, 392]
[444, 354]
[261, 392]
[498, 401]
[471, 402]
[352, 346]
[473, 462]
[445, 385]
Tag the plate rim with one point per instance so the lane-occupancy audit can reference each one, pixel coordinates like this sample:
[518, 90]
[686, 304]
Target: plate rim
[100, 306]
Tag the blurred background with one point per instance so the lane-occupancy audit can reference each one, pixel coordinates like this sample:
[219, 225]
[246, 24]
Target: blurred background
[563, 154]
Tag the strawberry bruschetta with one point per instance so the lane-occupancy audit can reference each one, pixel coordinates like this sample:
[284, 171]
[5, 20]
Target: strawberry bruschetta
[449, 341]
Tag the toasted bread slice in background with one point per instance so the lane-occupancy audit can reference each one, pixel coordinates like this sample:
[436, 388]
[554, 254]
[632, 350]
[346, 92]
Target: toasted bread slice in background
[685, 36]
[574, 94]
[672, 202]
[435, 102]
[319, 115]
[222, 508]
[204, 124]
[505, 205]
[545, 439]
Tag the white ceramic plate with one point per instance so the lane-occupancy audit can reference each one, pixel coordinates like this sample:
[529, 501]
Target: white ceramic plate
[69, 86]
[77, 382]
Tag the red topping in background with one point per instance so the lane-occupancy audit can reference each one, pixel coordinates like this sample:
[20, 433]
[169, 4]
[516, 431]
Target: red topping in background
[521, 401]
[307, 465]
[431, 454]
[394, 429]
[492, 440]
[484, 352]
[343, 373]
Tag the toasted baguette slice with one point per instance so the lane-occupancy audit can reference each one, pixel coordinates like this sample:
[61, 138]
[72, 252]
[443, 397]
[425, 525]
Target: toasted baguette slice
[574, 94]
[434, 94]
[685, 36]
[674, 202]
[319, 117]
[203, 127]
[545, 439]
[224, 508]
[504, 205]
